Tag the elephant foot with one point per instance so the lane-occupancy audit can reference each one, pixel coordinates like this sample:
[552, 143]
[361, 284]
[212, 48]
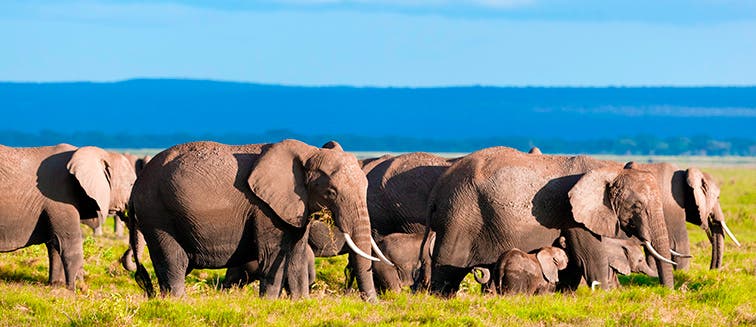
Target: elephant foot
[57, 283]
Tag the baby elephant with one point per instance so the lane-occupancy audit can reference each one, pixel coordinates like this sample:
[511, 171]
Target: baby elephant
[528, 273]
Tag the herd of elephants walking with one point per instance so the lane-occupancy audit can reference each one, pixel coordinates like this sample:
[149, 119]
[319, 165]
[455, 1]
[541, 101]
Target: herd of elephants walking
[521, 222]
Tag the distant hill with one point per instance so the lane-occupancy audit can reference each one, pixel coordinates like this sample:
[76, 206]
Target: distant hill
[160, 112]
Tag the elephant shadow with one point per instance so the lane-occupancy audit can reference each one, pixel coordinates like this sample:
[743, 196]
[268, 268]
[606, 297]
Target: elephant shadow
[57, 184]
[551, 203]
[24, 276]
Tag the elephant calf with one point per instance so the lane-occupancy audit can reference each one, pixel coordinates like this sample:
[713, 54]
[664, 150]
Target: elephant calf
[404, 252]
[527, 273]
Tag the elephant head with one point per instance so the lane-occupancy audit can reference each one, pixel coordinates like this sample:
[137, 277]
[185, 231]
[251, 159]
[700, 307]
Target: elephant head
[703, 208]
[552, 260]
[296, 179]
[626, 256]
[609, 200]
[105, 177]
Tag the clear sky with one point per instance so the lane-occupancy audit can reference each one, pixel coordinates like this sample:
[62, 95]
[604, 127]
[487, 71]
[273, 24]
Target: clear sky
[383, 43]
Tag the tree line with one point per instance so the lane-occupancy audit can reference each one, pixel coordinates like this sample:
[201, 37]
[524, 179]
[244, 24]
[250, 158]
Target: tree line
[635, 145]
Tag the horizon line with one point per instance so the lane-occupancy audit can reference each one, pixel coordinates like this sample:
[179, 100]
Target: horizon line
[366, 86]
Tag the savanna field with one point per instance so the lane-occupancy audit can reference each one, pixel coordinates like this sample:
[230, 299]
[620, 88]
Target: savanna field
[111, 297]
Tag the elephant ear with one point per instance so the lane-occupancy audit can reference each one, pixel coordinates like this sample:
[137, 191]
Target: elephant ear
[591, 204]
[278, 179]
[697, 182]
[548, 263]
[621, 263]
[333, 145]
[140, 163]
[91, 168]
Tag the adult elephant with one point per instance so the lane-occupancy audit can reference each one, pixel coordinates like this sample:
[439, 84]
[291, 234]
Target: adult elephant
[398, 191]
[210, 205]
[48, 191]
[499, 198]
[690, 195]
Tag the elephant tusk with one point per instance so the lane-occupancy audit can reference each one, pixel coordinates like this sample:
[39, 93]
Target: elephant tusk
[730, 234]
[657, 255]
[379, 253]
[357, 250]
[678, 254]
[594, 284]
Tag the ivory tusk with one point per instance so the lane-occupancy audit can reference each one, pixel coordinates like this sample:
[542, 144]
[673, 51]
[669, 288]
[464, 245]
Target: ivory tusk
[730, 234]
[678, 254]
[657, 255]
[357, 250]
[379, 253]
[594, 284]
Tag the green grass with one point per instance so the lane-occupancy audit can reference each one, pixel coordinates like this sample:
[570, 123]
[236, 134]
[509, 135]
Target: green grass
[702, 297]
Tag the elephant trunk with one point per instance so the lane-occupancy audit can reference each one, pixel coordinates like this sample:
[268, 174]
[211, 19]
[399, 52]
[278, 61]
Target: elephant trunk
[659, 243]
[360, 238]
[717, 247]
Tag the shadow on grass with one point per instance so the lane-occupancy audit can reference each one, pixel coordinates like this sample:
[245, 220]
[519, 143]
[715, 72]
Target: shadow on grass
[23, 277]
[638, 280]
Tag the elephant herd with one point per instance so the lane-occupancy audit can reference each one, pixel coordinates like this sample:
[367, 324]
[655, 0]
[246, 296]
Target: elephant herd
[521, 222]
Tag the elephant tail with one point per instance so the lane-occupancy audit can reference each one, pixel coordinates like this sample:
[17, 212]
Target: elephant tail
[141, 276]
[422, 273]
[484, 277]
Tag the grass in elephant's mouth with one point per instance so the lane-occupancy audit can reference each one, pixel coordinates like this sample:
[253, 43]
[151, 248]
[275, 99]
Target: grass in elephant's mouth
[702, 297]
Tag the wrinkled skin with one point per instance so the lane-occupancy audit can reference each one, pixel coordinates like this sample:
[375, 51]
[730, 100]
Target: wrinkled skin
[323, 241]
[600, 259]
[398, 191]
[689, 196]
[210, 205]
[527, 273]
[48, 191]
[497, 199]
[403, 250]
[240, 276]
[127, 259]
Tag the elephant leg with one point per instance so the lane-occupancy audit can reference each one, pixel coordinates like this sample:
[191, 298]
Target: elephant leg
[311, 275]
[170, 261]
[56, 276]
[297, 269]
[445, 280]
[66, 238]
[118, 226]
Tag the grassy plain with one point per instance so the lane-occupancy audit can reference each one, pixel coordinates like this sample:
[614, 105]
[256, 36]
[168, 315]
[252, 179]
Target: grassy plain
[702, 297]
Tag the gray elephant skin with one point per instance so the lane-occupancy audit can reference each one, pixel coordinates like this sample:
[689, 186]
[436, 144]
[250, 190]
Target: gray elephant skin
[48, 191]
[210, 205]
[525, 273]
[497, 199]
[404, 251]
[690, 195]
[599, 259]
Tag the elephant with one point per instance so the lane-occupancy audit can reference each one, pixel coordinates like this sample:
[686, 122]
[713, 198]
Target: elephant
[398, 191]
[127, 259]
[249, 272]
[48, 191]
[211, 205]
[598, 259]
[402, 249]
[528, 273]
[497, 199]
[119, 220]
[692, 196]
[323, 241]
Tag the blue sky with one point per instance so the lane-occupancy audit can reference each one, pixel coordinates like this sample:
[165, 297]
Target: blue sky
[383, 43]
